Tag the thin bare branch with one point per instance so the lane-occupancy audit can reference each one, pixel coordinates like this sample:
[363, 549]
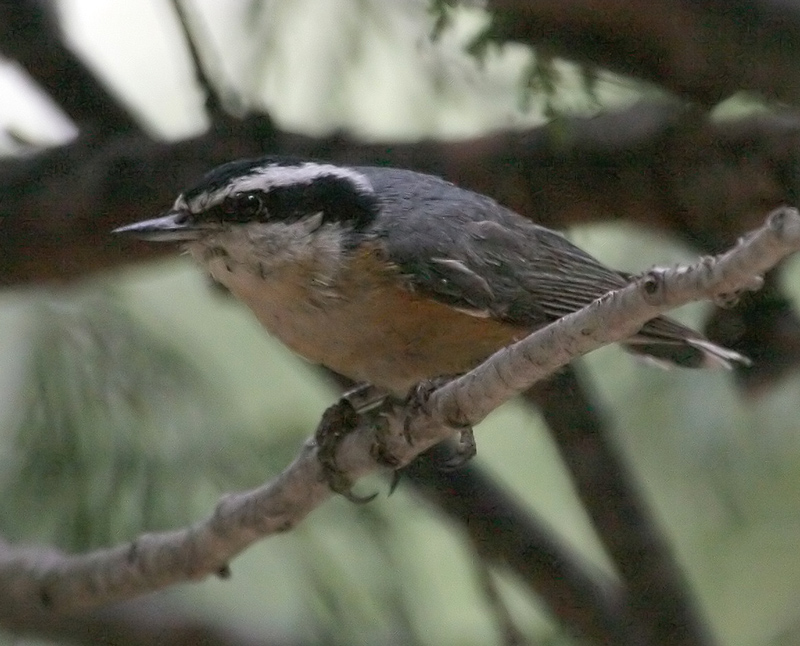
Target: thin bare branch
[212, 101]
[51, 580]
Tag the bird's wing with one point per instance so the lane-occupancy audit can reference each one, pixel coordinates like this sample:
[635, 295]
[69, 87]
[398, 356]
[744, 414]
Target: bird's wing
[465, 250]
[488, 261]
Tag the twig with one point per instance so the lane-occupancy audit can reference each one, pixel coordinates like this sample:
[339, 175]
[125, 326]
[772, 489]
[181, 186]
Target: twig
[46, 578]
[212, 102]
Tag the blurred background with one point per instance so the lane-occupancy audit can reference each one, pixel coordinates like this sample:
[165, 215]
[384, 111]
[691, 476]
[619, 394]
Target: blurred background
[133, 394]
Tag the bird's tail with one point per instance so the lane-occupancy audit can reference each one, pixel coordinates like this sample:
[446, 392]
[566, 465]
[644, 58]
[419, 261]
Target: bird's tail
[669, 343]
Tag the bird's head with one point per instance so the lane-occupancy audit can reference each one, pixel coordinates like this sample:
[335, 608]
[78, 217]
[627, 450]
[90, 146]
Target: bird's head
[265, 191]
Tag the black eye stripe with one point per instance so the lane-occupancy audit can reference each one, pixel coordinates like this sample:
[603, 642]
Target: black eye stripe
[339, 200]
[243, 206]
[237, 207]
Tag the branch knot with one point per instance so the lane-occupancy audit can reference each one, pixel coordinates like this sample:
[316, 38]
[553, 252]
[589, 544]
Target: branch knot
[653, 286]
[785, 223]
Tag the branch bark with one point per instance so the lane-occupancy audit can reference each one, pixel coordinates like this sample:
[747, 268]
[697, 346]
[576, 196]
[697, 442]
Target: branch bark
[144, 621]
[49, 580]
[655, 164]
[30, 34]
[701, 50]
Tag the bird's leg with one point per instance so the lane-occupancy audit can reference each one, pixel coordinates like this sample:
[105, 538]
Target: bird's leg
[343, 417]
[337, 422]
[466, 448]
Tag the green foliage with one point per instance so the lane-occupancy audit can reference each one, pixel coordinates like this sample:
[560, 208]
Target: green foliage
[345, 608]
[108, 438]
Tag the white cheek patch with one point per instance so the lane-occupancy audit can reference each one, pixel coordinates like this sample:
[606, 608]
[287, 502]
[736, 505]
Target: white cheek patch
[266, 249]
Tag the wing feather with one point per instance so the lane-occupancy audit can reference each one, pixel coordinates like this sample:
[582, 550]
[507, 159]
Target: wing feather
[467, 251]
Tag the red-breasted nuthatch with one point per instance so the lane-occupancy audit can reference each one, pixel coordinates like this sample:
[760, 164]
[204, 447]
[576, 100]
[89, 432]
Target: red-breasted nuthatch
[390, 276]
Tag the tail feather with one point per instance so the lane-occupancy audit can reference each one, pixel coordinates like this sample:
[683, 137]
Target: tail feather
[717, 355]
[667, 343]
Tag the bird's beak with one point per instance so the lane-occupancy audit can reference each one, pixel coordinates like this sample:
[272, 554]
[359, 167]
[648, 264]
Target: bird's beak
[172, 227]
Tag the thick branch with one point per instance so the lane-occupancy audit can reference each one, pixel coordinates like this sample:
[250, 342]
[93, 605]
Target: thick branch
[507, 535]
[661, 607]
[59, 582]
[653, 164]
[145, 621]
[29, 34]
[702, 50]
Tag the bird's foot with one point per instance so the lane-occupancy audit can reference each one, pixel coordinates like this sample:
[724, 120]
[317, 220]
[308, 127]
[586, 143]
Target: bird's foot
[342, 418]
[337, 422]
[465, 449]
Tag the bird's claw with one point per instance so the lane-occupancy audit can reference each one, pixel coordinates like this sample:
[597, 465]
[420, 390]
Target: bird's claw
[342, 418]
[465, 450]
[337, 422]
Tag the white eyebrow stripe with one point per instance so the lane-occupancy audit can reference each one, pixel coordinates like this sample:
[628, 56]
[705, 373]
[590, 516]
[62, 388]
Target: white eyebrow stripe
[278, 176]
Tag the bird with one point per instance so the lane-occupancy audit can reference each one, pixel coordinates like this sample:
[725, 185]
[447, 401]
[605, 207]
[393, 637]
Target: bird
[389, 276]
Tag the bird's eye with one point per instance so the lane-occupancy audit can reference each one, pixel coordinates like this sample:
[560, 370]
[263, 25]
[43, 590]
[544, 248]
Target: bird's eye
[242, 206]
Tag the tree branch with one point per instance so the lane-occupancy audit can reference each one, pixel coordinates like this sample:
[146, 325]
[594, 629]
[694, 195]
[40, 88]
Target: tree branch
[654, 164]
[144, 621]
[701, 50]
[29, 34]
[45, 578]
[505, 534]
[661, 607]
[213, 105]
